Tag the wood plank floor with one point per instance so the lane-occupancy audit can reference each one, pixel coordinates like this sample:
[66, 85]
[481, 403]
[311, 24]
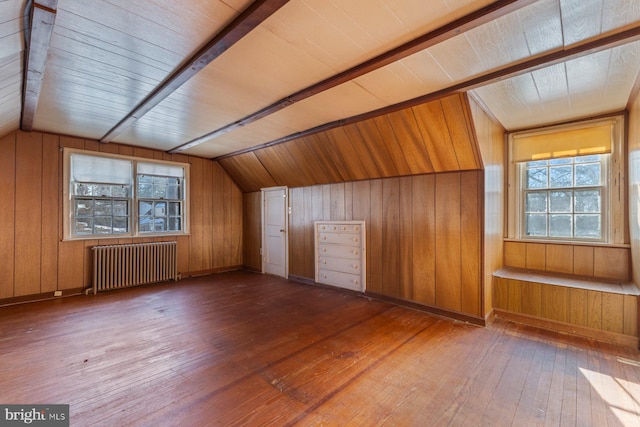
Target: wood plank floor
[245, 349]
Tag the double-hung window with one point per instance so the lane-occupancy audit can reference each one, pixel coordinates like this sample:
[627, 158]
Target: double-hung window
[118, 196]
[565, 183]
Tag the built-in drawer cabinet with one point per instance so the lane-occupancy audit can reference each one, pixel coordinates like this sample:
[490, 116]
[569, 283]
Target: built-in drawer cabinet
[340, 254]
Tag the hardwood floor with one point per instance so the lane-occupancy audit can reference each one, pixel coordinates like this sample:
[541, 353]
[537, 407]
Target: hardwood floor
[245, 349]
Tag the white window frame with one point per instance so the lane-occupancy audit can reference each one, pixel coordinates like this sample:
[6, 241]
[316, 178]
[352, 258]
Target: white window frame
[134, 232]
[613, 198]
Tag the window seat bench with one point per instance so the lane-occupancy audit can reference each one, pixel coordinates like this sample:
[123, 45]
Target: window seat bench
[605, 310]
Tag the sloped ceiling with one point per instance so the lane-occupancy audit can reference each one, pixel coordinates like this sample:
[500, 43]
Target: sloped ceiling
[219, 77]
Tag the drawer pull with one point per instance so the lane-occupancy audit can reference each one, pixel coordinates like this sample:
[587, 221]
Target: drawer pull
[355, 239]
[324, 262]
[355, 252]
[355, 266]
[324, 249]
[335, 228]
[324, 237]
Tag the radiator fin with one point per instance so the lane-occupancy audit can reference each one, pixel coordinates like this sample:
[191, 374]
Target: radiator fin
[121, 266]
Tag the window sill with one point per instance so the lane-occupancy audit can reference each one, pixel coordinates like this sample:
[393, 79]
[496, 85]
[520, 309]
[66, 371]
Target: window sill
[124, 236]
[570, 243]
[569, 281]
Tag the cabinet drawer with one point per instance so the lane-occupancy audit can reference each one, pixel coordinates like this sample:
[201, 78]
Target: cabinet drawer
[340, 228]
[335, 251]
[340, 264]
[340, 238]
[342, 280]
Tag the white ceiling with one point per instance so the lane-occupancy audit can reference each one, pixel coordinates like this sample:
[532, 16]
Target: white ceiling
[106, 56]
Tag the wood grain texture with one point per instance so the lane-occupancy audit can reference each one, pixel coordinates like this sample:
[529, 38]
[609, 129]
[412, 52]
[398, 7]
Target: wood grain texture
[471, 221]
[448, 241]
[373, 360]
[411, 141]
[536, 256]
[44, 263]
[391, 284]
[515, 254]
[28, 208]
[424, 239]
[612, 263]
[252, 231]
[559, 258]
[583, 260]
[7, 214]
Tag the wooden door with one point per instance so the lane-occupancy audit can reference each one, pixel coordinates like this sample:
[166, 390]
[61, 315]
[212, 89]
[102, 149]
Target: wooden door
[275, 247]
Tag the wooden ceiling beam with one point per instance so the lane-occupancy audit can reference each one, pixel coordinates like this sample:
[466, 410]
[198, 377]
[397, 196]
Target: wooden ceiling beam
[42, 18]
[459, 26]
[609, 40]
[243, 24]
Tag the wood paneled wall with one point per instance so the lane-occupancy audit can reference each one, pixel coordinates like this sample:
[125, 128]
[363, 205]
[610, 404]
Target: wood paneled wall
[634, 186]
[491, 141]
[434, 137]
[424, 235]
[596, 310]
[612, 263]
[34, 258]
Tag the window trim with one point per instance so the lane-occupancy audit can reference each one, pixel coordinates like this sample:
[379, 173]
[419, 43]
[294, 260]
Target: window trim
[134, 233]
[614, 198]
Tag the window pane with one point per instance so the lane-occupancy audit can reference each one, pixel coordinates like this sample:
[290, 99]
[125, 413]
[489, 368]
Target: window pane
[536, 202]
[174, 209]
[160, 209]
[160, 180]
[560, 201]
[145, 191]
[587, 201]
[588, 226]
[560, 225]
[102, 225]
[120, 208]
[103, 207]
[145, 208]
[146, 224]
[120, 225]
[537, 178]
[121, 190]
[173, 192]
[159, 191]
[145, 179]
[561, 176]
[536, 224]
[84, 207]
[588, 174]
[84, 226]
[86, 168]
[80, 189]
[175, 224]
[160, 224]
[102, 190]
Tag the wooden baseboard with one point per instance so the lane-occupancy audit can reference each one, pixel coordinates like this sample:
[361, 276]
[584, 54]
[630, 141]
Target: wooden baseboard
[304, 280]
[568, 328]
[479, 321]
[40, 297]
[198, 273]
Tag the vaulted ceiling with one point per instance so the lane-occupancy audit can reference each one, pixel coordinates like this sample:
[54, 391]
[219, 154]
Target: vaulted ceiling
[210, 78]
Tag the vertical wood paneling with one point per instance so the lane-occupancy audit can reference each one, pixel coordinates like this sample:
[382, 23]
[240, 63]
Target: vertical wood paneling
[448, 217]
[630, 325]
[197, 201]
[379, 151]
[470, 251]
[395, 148]
[536, 256]
[252, 231]
[500, 293]
[532, 298]
[337, 202]
[391, 237]
[554, 303]
[376, 260]
[611, 263]
[50, 212]
[578, 307]
[32, 239]
[514, 295]
[594, 309]
[309, 256]
[7, 214]
[405, 218]
[361, 210]
[515, 254]
[28, 208]
[296, 232]
[424, 239]
[612, 309]
[405, 127]
[363, 154]
[559, 258]
[341, 143]
[583, 260]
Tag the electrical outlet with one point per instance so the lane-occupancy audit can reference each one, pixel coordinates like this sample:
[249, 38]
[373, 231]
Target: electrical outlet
[57, 294]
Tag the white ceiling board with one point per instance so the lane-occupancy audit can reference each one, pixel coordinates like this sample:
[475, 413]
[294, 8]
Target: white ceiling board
[346, 100]
[591, 85]
[11, 64]
[583, 19]
[106, 56]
